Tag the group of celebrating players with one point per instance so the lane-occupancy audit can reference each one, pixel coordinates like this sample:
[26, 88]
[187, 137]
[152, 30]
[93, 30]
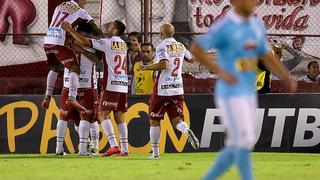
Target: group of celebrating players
[79, 50]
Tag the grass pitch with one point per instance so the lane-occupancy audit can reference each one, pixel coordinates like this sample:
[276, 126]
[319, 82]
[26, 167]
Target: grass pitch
[179, 166]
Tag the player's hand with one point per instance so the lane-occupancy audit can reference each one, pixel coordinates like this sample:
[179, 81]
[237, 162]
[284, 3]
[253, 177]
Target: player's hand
[292, 85]
[76, 47]
[66, 26]
[228, 78]
[45, 103]
[142, 67]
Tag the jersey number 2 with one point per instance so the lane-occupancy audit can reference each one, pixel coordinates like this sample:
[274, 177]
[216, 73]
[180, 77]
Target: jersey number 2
[119, 64]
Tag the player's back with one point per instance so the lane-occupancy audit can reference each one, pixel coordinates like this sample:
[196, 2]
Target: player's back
[169, 82]
[70, 12]
[87, 75]
[115, 66]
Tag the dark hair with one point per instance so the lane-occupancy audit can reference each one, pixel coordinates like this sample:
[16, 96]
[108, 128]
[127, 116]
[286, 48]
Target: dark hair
[136, 34]
[148, 44]
[119, 25]
[85, 27]
[312, 62]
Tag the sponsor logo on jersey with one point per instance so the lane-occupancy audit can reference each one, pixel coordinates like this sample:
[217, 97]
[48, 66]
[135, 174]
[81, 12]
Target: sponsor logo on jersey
[161, 54]
[172, 79]
[171, 86]
[118, 46]
[109, 104]
[70, 7]
[54, 36]
[155, 115]
[119, 83]
[67, 61]
[52, 51]
[121, 76]
[175, 48]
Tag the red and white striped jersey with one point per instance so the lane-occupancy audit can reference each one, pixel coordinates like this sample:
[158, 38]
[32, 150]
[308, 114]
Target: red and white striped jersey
[70, 12]
[87, 76]
[169, 82]
[114, 57]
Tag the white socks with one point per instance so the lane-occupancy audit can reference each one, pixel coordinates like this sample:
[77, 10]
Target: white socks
[73, 84]
[84, 128]
[123, 137]
[61, 132]
[51, 81]
[155, 139]
[108, 129]
[183, 127]
[94, 134]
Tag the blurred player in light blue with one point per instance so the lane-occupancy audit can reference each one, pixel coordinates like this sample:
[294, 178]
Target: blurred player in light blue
[239, 39]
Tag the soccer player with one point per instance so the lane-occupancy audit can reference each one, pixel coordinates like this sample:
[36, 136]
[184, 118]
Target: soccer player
[57, 51]
[115, 83]
[240, 40]
[87, 97]
[168, 89]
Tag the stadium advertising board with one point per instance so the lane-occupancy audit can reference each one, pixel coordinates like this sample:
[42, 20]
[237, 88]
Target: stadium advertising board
[285, 123]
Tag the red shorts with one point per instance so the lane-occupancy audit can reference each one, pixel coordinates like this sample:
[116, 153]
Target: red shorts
[113, 101]
[159, 105]
[60, 54]
[87, 98]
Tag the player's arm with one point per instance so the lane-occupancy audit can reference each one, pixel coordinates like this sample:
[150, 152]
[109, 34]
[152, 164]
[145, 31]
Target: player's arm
[78, 37]
[275, 66]
[188, 57]
[96, 29]
[91, 56]
[202, 57]
[162, 65]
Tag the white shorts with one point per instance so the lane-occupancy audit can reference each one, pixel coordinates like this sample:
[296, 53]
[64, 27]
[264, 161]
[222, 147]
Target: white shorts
[239, 118]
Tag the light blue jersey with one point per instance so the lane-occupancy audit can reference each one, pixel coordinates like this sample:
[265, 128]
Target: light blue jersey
[239, 43]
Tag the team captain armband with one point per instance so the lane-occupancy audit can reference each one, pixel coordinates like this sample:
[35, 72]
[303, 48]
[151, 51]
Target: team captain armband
[244, 65]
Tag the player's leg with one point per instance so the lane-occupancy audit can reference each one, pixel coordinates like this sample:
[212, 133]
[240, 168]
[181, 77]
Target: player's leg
[175, 112]
[157, 109]
[108, 102]
[94, 136]
[123, 132]
[226, 156]
[245, 110]
[155, 137]
[62, 123]
[94, 126]
[119, 117]
[53, 64]
[70, 61]
[86, 100]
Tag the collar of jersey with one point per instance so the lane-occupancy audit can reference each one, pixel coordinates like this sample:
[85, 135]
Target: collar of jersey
[115, 37]
[75, 3]
[234, 16]
[169, 39]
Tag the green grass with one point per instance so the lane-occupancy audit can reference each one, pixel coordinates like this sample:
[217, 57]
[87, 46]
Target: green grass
[179, 166]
